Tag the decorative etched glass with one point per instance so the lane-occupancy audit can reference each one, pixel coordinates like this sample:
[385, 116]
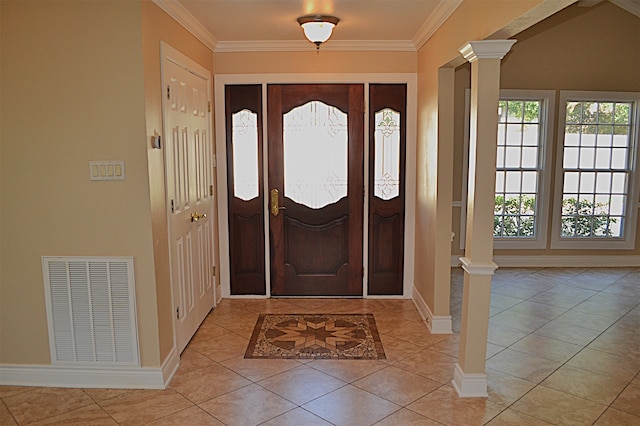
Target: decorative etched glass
[386, 172]
[245, 154]
[315, 140]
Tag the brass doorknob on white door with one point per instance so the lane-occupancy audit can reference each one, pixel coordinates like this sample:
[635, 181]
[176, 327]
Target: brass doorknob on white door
[195, 216]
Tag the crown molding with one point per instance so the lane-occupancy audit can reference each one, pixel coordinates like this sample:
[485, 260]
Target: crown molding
[303, 45]
[631, 6]
[444, 10]
[486, 49]
[188, 21]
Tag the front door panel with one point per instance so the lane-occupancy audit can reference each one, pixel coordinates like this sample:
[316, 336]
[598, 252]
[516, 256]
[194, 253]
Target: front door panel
[316, 182]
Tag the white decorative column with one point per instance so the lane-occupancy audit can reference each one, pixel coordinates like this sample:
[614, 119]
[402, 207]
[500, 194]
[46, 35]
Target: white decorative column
[469, 379]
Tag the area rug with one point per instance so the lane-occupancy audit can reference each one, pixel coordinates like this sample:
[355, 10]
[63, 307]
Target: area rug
[315, 336]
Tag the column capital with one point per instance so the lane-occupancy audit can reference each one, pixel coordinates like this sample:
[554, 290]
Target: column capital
[486, 49]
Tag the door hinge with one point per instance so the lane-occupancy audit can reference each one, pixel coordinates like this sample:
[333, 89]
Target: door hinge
[178, 312]
[209, 106]
[211, 190]
[173, 209]
[214, 270]
[169, 93]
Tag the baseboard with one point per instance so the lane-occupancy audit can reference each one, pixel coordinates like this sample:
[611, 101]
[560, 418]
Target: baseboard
[436, 324]
[170, 366]
[559, 261]
[469, 385]
[88, 377]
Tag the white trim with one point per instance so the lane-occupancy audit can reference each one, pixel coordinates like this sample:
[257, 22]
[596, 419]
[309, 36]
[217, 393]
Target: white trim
[91, 377]
[220, 80]
[478, 268]
[486, 49]
[439, 16]
[435, 324]
[551, 261]
[628, 240]
[183, 17]
[303, 45]
[469, 385]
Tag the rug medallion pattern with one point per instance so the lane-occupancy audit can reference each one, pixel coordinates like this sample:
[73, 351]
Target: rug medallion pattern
[315, 336]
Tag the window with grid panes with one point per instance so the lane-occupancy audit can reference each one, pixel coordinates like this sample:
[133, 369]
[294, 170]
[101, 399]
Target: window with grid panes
[518, 168]
[599, 149]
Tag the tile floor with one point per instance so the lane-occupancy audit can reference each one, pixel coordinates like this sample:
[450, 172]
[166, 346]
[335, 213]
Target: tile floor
[564, 349]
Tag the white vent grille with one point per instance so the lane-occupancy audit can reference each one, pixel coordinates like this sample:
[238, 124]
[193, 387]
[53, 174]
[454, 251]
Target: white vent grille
[91, 310]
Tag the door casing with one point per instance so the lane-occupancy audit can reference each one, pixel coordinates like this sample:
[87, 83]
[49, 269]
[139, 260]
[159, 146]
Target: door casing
[410, 79]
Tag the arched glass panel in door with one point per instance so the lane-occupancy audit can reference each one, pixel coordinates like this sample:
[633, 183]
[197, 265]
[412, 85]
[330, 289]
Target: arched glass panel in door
[386, 171]
[245, 154]
[315, 145]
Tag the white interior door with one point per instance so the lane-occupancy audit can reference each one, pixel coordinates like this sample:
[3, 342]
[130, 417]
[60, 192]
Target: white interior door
[188, 167]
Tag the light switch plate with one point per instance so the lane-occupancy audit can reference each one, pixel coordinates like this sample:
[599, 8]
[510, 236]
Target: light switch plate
[106, 170]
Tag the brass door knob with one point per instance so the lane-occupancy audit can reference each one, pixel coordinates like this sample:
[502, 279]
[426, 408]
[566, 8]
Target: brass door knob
[195, 216]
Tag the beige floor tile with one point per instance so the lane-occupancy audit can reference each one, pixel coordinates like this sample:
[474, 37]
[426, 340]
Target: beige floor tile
[450, 346]
[235, 320]
[296, 417]
[396, 349]
[406, 417]
[504, 336]
[206, 383]
[259, 369]
[528, 367]
[516, 291]
[511, 417]
[629, 400]
[90, 415]
[220, 350]
[350, 405]
[248, 406]
[431, 364]
[588, 320]
[143, 406]
[41, 403]
[585, 384]
[555, 299]
[416, 333]
[100, 395]
[502, 301]
[539, 310]
[347, 370]
[396, 385]
[522, 322]
[444, 406]
[544, 347]
[6, 391]
[193, 416]
[504, 389]
[191, 360]
[302, 384]
[558, 407]
[604, 363]
[6, 419]
[613, 417]
[619, 342]
[567, 333]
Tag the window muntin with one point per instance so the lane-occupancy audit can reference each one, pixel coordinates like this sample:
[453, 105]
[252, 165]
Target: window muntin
[596, 168]
[386, 173]
[518, 168]
[315, 144]
[245, 154]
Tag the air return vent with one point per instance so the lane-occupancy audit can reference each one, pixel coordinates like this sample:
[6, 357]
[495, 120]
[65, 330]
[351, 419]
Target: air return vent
[91, 310]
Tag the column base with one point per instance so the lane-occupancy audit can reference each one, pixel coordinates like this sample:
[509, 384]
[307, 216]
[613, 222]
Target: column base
[469, 385]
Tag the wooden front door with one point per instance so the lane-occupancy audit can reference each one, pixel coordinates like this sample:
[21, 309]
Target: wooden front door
[316, 189]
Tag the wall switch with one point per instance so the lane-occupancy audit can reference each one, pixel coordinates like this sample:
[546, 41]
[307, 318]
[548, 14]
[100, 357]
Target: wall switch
[106, 170]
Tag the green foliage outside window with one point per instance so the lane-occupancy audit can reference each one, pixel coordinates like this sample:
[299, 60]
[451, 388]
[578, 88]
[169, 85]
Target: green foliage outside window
[515, 217]
[605, 118]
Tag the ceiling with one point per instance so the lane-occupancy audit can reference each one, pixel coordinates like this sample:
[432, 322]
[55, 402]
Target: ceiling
[236, 25]
[270, 25]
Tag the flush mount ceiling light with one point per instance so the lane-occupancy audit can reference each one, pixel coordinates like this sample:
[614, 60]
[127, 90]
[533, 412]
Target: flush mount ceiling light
[318, 28]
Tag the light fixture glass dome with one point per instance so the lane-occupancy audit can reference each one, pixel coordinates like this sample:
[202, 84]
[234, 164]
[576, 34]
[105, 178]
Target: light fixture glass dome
[318, 28]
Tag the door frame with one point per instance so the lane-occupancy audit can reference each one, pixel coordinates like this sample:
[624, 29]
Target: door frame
[410, 79]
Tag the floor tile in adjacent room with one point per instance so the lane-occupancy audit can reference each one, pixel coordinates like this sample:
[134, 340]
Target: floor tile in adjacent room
[544, 347]
[190, 416]
[397, 385]
[613, 417]
[585, 384]
[297, 417]
[406, 417]
[511, 417]
[302, 384]
[629, 400]
[528, 367]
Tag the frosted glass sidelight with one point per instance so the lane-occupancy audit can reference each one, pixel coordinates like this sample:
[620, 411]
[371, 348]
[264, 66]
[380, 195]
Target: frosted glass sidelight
[245, 154]
[315, 145]
[386, 173]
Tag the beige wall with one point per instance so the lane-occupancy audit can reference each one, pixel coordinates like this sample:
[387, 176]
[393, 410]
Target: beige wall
[313, 62]
[157, 26]
[72, 91]
[473, 20]
[579, 48]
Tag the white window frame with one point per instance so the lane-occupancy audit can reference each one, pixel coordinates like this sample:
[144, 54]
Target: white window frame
[547, 120]
[627, 241]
